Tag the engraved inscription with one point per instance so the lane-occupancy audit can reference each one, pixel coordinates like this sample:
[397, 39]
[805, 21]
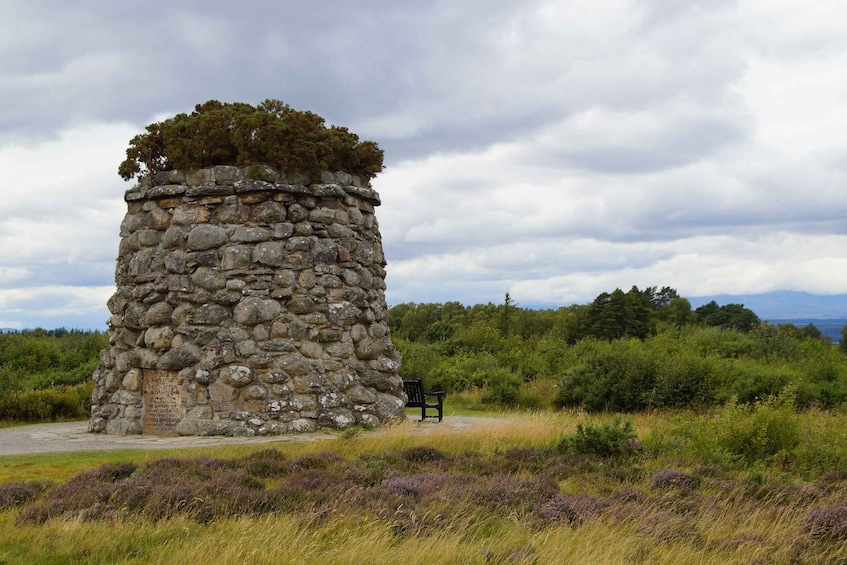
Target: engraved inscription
[162, 403]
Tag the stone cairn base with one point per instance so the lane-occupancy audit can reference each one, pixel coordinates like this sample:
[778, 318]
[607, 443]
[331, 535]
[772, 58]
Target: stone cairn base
[249, 302]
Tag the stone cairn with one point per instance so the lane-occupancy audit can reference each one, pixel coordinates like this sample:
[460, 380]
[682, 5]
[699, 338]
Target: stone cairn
[249, 302]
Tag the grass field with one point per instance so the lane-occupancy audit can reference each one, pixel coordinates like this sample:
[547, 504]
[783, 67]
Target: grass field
[736, 485]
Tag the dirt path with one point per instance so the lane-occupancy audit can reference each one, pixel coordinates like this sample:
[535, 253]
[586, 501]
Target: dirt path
[73, 436]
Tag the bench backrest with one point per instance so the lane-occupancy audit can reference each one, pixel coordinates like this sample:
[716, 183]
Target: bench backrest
[415, 391]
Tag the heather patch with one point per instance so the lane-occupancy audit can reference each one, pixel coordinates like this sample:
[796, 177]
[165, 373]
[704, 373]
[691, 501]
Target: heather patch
[268, 463]
[830, 522]
[18, 494]
[423, 492]
[670, 478]
[322, 460]
[570, 509]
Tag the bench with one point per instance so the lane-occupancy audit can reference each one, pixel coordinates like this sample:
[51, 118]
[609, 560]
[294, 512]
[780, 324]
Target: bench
[417, 398]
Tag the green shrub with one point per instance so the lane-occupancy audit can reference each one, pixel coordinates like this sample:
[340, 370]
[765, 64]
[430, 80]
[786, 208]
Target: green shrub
[606, 440]
[502, 388]
[753, 432]
[754, 380]
[60, 403]
[537, 394]
[239, 134]
[617, 375]
[729, 344]
[682, 380]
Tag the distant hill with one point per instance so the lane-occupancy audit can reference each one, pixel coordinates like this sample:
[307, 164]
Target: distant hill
[784, 305]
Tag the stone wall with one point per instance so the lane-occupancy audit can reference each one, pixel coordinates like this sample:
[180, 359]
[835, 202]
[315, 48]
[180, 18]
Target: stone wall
[248, 302]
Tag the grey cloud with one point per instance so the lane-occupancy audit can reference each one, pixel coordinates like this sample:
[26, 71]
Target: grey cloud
[76, 274]
[532, 141]
[341, 60]
[469, 74]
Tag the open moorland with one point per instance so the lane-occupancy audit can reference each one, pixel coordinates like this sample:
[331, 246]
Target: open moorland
[736, 485]
[630, 430]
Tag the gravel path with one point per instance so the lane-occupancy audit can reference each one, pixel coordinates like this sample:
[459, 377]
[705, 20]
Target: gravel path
[73, 436]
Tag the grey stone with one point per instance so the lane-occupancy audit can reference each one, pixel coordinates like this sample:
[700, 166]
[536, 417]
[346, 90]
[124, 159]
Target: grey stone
[250, 234]
[311, 349]
[209, 314]
[180, 357]
[325, 252]
[208, 279]
[294, 365]
[253, 310]
[301, 425]
[131, 223]
[226, 174]
[283, 231]
[361, 395]
[113, 382]
[255, 392]
[322, 216]
[301, 304]
[190, 215]
[213, 428]
[237, 257]
[205, 237]
[343, 314]
[159, 337]
[132, 380]
[297, 213]
[148, 238]
[123, 426]
[298, 244]
[175, 262]
[237, 375]
[268, 213]
[271, 253]
[303, 229]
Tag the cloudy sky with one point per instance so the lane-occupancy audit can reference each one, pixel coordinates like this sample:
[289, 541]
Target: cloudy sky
[549, 149]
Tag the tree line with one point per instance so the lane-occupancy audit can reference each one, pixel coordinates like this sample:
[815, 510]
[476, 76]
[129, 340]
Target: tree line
[46, 374]
[612, 315]
[640, 349]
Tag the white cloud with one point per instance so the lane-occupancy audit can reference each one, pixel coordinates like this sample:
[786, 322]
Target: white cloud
[62, 207]
[11, 274]
[551, 149]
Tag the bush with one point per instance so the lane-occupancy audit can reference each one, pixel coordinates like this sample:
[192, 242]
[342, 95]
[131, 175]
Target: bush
[239, 134]
[682, 380]
[754, 432]
[60, 403]
[612, 376]
[503, 388]
[607, 440]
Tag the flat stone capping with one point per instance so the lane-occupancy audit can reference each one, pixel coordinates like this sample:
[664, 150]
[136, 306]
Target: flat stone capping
[225, 180]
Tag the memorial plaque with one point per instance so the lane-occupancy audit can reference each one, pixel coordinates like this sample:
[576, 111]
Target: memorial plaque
[162, 403]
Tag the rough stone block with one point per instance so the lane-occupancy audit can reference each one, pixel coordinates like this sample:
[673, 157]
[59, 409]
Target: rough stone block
[205, 237]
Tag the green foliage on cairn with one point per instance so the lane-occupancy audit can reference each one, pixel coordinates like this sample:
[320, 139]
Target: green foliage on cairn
[239, 134]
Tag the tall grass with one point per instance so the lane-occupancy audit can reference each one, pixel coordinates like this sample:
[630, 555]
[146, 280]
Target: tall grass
[500, 493]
